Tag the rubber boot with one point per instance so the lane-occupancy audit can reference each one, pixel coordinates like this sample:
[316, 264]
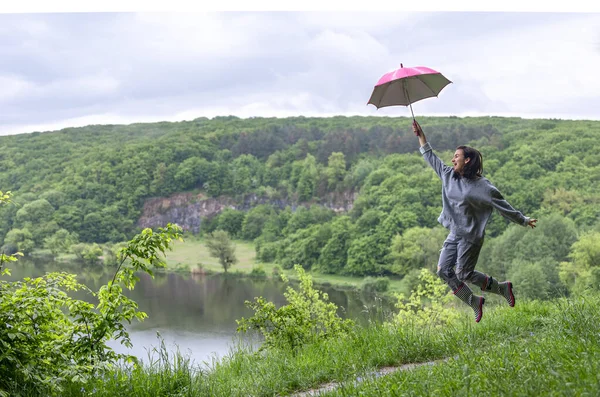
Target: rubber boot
[503, 289]
[465, 294]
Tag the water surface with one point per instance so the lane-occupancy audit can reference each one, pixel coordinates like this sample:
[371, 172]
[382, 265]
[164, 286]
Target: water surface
[192, 312]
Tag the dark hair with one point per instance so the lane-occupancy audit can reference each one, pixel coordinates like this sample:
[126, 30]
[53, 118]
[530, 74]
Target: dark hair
[474, 168]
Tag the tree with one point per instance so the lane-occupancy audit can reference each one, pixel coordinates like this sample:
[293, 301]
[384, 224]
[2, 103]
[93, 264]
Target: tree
[88, 253]
[61, 241]
[92, 228]
[19, 240]
[550, 241]
[37, 211]
[255, 220]
[220, 246]
[307, 182]
[366, 255]
[246, 173]
[334, 254]
[534, 279]
[360, 171]
[304, 246]
[336, 170]
[580, 271]
[192, 173]
[231, 221]
[54, 197]
[416, 248]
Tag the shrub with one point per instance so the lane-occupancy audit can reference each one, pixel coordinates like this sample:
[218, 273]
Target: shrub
[277, 271]
[88, 253]
[308, 317]
[258, 272]
[49, 340]
[267, 252]
[375, 284]
[426, 304]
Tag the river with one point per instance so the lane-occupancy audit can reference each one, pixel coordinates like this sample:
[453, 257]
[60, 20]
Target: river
[194, 313]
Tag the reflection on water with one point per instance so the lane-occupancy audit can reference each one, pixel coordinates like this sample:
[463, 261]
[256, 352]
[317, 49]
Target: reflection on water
[195, 313]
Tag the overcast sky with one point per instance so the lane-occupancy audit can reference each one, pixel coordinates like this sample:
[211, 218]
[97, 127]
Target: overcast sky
[73, 69]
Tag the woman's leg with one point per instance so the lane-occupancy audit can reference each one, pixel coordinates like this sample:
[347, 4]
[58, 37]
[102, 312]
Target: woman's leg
[503, 289]
[466, 260]
[446, 263]
[467, 256]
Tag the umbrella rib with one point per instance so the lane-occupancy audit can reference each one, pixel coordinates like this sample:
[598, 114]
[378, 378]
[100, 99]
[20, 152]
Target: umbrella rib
[429, 88]
[408, 97]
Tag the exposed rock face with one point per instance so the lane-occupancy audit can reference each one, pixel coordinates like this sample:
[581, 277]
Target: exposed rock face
[188, 209]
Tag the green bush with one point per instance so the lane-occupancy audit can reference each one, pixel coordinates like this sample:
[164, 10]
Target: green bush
[427, 304]
[267, 252]
[308, 317]
[258, 272]
[88, 253]
[375, 284]
[277, 271]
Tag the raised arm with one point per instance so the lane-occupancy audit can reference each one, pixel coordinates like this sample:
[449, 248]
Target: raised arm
[419, 132]
[434, 161]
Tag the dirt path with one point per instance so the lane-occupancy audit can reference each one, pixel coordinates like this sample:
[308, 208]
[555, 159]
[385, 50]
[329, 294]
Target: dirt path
[375, 374]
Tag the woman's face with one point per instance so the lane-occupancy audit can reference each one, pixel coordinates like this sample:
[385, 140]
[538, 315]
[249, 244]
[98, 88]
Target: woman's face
[459, 161]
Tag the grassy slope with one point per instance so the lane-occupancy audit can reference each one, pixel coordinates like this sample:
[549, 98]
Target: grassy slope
[537, 348]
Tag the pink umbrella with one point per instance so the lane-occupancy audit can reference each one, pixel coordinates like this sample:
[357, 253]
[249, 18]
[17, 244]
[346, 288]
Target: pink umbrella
[406, 86]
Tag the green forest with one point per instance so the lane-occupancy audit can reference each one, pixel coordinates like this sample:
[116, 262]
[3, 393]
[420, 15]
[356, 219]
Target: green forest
[85, 187]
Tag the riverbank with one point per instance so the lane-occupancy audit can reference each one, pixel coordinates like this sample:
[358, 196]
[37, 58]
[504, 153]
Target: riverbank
[193, 256]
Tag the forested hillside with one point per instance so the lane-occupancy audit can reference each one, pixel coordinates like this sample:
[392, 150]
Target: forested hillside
[89, 184]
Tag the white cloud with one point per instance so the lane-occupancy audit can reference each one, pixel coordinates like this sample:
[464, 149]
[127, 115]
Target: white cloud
[190, 35]
[111, 68]
[297, 5]
[370, 21]
[13, 87]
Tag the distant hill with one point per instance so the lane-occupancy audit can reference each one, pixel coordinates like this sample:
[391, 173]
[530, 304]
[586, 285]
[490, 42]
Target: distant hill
[93, 182]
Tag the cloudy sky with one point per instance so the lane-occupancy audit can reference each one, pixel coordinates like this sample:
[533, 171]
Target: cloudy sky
[73, 69]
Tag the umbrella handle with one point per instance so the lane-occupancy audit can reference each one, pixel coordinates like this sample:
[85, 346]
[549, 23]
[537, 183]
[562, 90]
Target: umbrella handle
[408, 97]
[417, 128]
[409, 103]
[414, 121]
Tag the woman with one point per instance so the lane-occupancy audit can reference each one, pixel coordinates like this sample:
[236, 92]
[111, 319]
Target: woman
[467, 203]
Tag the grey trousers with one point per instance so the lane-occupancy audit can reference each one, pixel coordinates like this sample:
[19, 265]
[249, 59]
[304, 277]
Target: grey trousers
[457, 262]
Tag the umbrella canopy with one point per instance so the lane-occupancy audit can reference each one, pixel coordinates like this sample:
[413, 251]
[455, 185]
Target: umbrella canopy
[406, 86]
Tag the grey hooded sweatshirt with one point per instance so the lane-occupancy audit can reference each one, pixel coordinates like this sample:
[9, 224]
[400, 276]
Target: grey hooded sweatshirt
[467, 204]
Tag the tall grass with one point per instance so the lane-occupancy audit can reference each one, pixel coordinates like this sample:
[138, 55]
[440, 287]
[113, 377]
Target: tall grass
[557, 354]
[536, 348]
[164, 374]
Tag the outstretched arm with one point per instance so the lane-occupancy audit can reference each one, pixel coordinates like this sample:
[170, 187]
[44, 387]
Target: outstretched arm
[507, 210]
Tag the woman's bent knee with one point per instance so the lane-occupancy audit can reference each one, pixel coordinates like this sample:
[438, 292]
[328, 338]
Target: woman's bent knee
[445, 274]
[464, 276]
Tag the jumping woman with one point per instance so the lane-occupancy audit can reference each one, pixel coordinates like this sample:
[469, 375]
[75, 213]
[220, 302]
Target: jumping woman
[468, 199]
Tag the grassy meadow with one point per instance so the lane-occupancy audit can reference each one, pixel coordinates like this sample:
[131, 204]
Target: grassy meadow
[193, 255]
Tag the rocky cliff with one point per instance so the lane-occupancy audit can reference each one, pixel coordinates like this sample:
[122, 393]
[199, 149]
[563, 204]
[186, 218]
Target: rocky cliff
[189, 209]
